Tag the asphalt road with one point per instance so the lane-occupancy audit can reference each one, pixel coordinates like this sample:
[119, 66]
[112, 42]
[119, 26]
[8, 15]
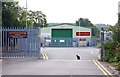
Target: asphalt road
[70, 53]
[61, 61]
[0, 67]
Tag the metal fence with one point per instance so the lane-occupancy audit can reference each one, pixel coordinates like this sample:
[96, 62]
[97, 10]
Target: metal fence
[65, 42]
[20, 42]
[95, 41]
[60, 42]
[69, 42]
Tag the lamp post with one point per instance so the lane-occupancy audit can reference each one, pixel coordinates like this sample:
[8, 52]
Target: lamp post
[91, 36]
[0, 13]
[26, 14]
[79, 33]
[102, 42]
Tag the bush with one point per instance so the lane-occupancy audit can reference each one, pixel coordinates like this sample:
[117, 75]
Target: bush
[110, 46]
[98, 45]
[118, 66]
[112, 53]
[112, 49]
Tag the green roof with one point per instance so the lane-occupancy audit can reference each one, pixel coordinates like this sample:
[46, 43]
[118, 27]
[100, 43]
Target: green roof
[57, 24]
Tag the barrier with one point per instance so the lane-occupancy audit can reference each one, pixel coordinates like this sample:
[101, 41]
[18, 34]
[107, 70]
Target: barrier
[20, 42]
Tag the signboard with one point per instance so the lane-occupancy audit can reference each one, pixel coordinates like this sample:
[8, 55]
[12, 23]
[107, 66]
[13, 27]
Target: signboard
[82, 39]
[82, 33]
[17, 34]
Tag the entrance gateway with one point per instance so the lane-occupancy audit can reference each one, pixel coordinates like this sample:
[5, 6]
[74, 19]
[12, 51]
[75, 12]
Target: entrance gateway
[20, 42]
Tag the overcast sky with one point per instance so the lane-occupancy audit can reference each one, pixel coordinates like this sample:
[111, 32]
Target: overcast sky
[68, 11]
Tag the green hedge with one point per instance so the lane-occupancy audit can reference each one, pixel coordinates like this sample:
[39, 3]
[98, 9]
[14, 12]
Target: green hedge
[112, 53]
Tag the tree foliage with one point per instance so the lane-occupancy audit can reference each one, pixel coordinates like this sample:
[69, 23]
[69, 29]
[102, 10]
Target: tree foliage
[95, 32]
[15, 16]
[37, 18]
[83, 22]
[112, 49]
[9, 14]
[116, 33]
[87, 23]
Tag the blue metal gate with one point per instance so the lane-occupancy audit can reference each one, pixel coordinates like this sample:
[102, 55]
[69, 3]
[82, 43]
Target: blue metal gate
[65, 42]
[60, 42]
[20, 42]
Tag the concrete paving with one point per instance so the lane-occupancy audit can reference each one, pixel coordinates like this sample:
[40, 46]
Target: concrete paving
[0, 67]
[85, 53]
[61, 61]
[52, 67]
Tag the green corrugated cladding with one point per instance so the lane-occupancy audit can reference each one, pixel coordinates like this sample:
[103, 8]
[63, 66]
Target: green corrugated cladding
[62, 33]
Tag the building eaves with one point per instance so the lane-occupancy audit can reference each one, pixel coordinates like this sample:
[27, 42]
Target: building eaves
[57, 24]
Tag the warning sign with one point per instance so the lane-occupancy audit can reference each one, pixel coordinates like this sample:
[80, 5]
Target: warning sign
[17, 34]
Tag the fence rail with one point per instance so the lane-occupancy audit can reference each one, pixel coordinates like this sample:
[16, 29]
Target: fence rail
[69, 42]
[20, 42]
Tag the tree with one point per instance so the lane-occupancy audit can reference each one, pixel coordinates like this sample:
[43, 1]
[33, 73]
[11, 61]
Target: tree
[10, 14]
[116, 33]
[87, 23]
[38, 18]
[23, 18]
[95, 32]
[83, 22]
[15, 16]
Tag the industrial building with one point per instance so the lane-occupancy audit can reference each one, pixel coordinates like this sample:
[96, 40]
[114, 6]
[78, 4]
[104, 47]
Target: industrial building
[64, 31]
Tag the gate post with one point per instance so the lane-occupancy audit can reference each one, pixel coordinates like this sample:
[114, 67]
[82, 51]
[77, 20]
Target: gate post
[78, 42]
[0, 42]
[39, 42]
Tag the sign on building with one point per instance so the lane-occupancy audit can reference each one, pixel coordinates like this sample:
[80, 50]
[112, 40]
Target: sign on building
[82, 33]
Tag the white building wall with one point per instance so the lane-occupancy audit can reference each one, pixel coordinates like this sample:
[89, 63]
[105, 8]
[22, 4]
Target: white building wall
[75, 29]
[81, 29]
